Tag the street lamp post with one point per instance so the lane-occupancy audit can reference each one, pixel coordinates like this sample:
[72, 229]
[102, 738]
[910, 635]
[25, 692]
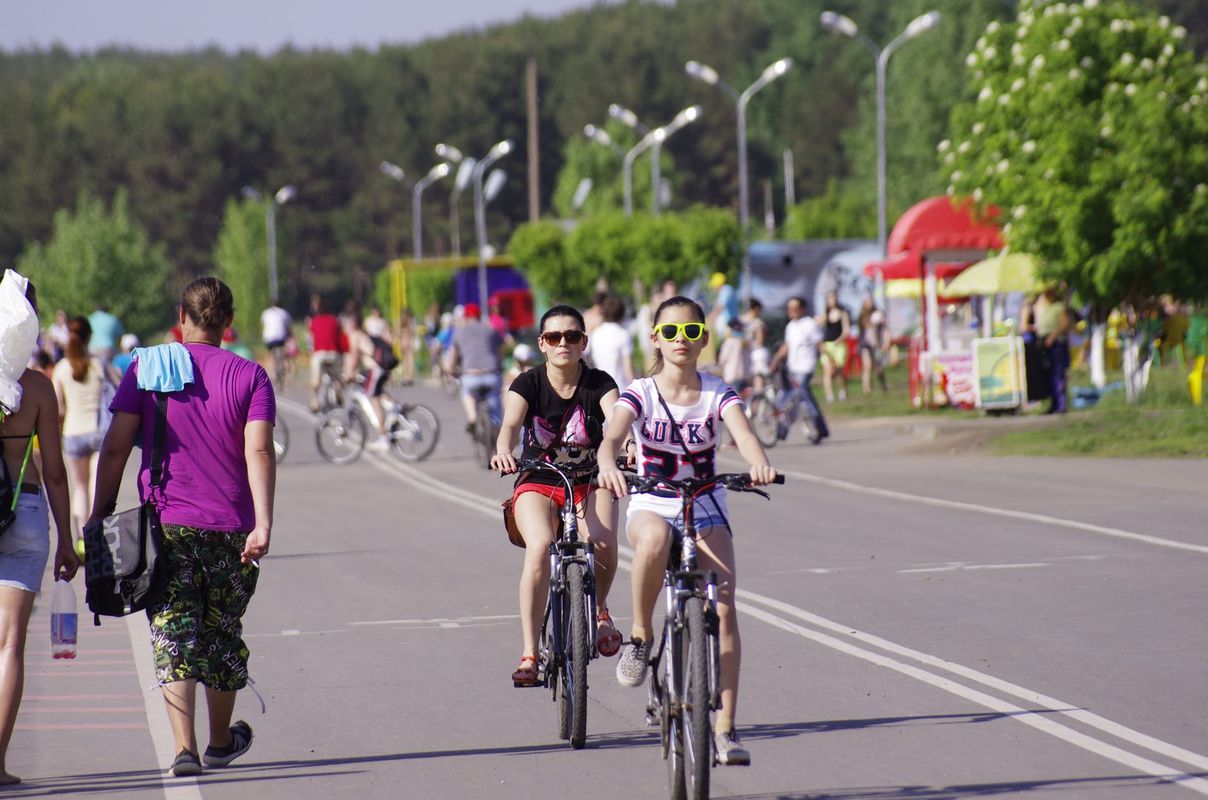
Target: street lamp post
[707, 74]
[653, 138]
[497, 152]
[417, 209]
[283, 196]
[689, 114]
[454, 156]
[841, 24]
[600, 136]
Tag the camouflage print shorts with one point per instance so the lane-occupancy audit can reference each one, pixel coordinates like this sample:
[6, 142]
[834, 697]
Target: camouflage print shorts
[197, 631]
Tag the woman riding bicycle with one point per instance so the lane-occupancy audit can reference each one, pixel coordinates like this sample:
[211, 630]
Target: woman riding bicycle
[561, 406]
[675, 417]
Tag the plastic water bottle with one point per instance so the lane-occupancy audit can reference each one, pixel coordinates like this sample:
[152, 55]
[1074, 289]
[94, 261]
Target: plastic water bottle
[64, 621]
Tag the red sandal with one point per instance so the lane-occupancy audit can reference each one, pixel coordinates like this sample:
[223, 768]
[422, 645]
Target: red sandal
[526, 673]
[608, 638]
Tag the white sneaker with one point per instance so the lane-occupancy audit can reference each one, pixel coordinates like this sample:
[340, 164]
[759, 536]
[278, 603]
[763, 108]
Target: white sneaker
[633, 663]
[379, 445]
[730, 751]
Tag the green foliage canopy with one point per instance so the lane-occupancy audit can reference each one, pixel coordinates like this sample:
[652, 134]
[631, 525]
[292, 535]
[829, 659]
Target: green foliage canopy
[1088, 125]
[839, 213]
[98, 257]
[241, 259]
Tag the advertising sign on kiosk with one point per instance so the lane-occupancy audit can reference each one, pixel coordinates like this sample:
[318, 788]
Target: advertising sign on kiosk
[1000, 380]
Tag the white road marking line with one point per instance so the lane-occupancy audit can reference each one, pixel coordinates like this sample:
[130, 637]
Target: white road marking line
[489, 508]
[954, 567]
[1053, 704]
[1026, 516]
[1018, 713]
[439, 620]
[157, 715]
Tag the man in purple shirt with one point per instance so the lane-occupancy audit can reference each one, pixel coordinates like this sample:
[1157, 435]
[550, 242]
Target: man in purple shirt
[216, 505]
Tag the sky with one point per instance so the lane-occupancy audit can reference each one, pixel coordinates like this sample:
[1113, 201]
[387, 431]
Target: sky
[262, 25]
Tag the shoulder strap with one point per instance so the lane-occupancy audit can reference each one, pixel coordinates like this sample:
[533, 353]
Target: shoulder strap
[670, 416]
[157, 440]
[21, 476]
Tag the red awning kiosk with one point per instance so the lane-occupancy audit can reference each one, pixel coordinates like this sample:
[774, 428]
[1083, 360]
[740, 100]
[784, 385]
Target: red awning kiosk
[936, 238]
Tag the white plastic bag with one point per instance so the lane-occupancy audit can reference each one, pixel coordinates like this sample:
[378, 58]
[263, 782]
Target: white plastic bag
[18, 336]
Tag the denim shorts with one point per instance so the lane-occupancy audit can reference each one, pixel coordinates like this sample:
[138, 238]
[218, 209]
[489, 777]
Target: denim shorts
[82, 445]
[25, 546]
[708, 511]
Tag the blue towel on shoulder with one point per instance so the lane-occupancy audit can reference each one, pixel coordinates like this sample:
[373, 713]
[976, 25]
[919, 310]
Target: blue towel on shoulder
[164, 367]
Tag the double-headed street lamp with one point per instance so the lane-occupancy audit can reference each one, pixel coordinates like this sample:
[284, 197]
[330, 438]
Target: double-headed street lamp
[705, 73]
[466, 165]
[652, 139]
[283, 196]
[497, 152]
[627, 117]
[841, 24]
[689, 114]
[417, 210]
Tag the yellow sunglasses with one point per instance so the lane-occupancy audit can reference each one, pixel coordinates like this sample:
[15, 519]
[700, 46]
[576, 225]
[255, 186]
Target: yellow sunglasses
[670, 331]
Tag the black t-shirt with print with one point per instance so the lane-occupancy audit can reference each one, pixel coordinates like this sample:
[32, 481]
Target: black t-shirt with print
[584, 429]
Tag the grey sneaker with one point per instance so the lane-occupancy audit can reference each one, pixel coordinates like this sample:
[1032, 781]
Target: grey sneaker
[186, 764]
[241, 740]
[633, 663]
[730, 752]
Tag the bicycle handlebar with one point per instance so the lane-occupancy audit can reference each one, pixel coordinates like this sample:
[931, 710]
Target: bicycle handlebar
[734, 481]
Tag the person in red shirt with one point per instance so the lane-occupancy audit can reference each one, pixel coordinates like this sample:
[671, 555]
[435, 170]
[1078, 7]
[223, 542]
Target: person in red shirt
[326, 346]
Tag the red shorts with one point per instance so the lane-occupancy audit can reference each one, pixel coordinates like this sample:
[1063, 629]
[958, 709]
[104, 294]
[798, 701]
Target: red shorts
[555, 493]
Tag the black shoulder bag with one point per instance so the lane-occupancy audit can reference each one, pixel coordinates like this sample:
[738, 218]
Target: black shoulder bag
[124, 565]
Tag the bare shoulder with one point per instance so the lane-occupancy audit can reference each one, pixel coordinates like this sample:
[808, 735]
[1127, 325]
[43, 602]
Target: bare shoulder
[34, 384]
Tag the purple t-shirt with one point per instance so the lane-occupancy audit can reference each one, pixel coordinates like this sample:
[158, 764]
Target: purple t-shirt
[205, 483]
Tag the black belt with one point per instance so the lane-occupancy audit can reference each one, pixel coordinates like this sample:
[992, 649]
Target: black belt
[31, 488]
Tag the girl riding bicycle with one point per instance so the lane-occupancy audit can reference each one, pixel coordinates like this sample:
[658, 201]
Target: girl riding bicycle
[561, 406]
[675, 416]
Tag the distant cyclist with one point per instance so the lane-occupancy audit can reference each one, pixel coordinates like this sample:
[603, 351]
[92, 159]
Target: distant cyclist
[561, 407]
[676, 417]
[274, 332]
[326, 345]
[360, 361]
[478, 349]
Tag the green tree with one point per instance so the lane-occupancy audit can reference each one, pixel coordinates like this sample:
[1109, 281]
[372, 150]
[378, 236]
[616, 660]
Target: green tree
[101, 257]
[1088, 125]
[845, 212]
[712, 241]
[659, 249]
[241, 261]
[538, 250]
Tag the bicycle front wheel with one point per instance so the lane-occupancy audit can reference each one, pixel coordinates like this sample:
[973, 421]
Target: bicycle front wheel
[698, 747]
[280, 440]
[483, 446]
[763, 419]
[413, 432]
[340, 436]
[574, 686]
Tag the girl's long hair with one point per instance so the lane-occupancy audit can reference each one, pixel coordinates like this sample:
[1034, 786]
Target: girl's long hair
[79, 332]
[672, 302]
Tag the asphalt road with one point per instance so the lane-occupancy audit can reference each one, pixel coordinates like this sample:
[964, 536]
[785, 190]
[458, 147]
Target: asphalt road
[913, 627]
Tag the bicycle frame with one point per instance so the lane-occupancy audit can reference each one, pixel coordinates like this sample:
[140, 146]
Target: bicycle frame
[567, 548]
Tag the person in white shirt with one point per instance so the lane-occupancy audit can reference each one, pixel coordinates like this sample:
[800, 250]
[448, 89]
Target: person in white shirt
[274, 326]
[610, 347]
[677, 444]
[802, 336]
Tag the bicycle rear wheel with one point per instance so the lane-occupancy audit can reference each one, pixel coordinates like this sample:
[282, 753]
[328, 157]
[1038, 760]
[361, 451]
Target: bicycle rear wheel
[698, 747]
[413, 432]
[280, 440]
[340, 436]
[574, 686]
[763, 419]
